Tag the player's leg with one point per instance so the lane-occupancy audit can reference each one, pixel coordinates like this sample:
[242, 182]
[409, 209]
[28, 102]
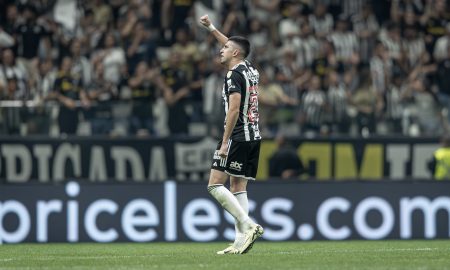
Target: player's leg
[228, 201]
[218, 177]
[235, 164]
[248, 172]
[238, 186]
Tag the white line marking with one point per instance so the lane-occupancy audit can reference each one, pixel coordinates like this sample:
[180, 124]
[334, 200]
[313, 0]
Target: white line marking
[53, 258]
[359, 250]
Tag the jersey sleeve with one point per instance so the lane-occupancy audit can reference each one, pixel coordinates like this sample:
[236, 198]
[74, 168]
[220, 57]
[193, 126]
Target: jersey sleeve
[235, 82]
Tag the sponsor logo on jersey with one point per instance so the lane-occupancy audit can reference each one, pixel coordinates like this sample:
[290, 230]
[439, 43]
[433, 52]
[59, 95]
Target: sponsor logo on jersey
[252, 75]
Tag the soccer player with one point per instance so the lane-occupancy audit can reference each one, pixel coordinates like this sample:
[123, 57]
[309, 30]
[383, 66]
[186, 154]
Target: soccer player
[237, 153]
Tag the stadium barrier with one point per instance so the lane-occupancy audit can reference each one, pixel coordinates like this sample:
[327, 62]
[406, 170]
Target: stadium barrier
[171, 211]
[100, 159]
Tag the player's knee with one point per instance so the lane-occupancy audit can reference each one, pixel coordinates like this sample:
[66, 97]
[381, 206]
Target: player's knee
[211, 188]
[238, 186]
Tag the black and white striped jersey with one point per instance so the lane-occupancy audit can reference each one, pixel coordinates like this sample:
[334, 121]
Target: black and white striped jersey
[345, 44]
[243, 78]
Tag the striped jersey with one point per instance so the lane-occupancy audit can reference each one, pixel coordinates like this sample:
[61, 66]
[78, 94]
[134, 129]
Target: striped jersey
[243, 78]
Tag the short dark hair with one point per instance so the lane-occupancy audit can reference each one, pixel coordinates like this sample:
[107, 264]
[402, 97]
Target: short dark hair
[243, 43]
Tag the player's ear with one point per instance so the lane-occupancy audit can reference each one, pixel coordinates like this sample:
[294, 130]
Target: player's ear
[236, 52]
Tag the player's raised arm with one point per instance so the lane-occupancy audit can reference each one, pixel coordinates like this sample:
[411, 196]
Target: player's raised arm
[205, 21]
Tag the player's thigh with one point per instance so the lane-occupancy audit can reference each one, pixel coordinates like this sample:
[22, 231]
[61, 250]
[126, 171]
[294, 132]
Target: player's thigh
[217, 177]
[237, 184]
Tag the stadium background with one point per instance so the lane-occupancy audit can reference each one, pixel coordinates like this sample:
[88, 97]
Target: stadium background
[110, 113]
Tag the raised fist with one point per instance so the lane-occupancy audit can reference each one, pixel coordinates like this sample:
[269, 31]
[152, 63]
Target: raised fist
[204, 20]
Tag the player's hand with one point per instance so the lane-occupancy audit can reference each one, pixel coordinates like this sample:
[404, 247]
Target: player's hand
[204, 20]
[223, 151]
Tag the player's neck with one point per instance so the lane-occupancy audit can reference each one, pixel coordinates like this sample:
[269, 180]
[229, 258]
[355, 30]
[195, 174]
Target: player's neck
[233, 62]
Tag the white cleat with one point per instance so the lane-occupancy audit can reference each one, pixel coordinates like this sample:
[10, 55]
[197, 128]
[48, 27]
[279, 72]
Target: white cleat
[229, 250]
[250, 237]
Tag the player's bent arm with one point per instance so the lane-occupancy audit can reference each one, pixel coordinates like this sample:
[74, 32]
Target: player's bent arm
[221, 38]
[232, 116]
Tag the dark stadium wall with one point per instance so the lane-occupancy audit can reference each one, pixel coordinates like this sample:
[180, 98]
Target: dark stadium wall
[154, 160]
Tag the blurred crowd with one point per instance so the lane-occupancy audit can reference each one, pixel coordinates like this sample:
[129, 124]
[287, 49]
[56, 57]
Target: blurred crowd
[147, 68]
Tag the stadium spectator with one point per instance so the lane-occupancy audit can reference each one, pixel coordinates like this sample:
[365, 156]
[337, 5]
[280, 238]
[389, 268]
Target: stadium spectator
[440, 164]
[440, 51]
[12, 117]
[46, 78]
[368, 104]
[111, 56]
[212, 92]
[325, 61]
[312, 106]
[423, 107]
[235, 20]
[174, 16]
[380, 68]
[286, 70]
[102, 13]
[10, 19]
[81, 64]
[400, 9]
[434, 22]
[196, 84]
[258, 36]
[68, 90]
[351, 72]
[264, 9]
[366, 28]
[413, 46]
[443, 81]
[285, 162]
[267, 11]
[145, 85]
[139, 46]
[9, 90]
[30, 34]
[88, 31]
[391, 38]
[176, 94]
[352, 7]
[102, 93]
[187, 50]
[6, 40]
[13, 76]
[393, 105]
[337, 105]
[306, 46]
[345, 42]
[289, 26]
[39, 116]
[321, 22]
[276, 107]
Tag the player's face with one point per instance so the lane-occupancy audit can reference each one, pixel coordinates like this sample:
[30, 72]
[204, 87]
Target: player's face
[226, 53]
